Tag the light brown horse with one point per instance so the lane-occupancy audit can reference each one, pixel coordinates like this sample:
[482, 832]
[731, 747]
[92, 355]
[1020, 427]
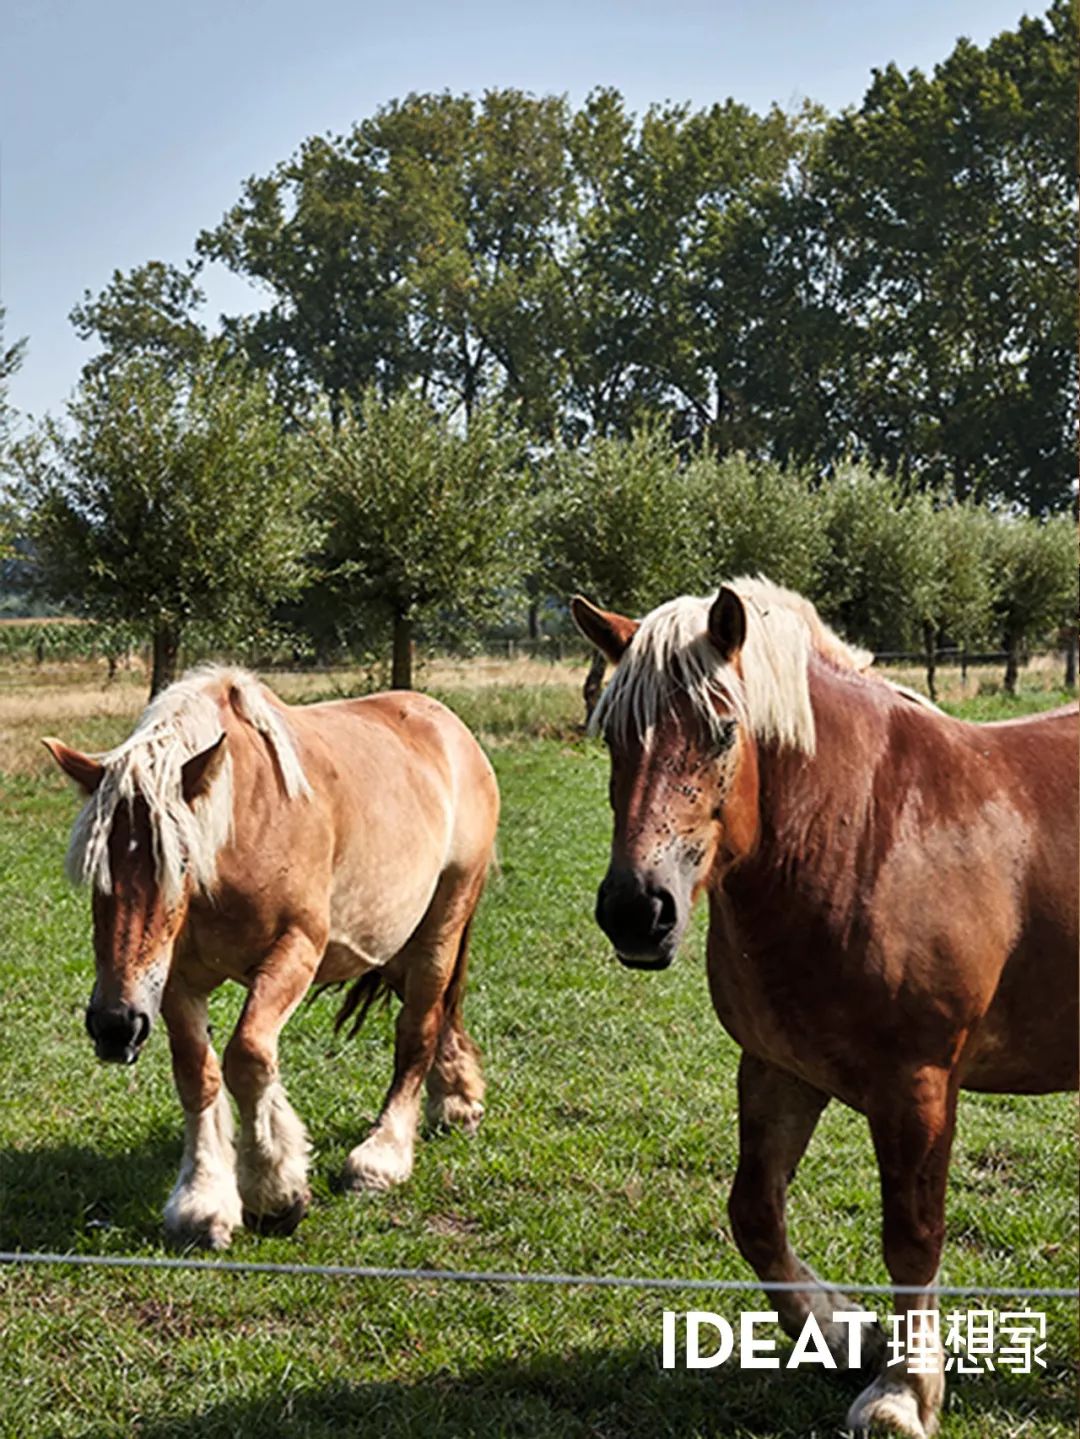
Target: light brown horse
[892, 911]
[233, 837]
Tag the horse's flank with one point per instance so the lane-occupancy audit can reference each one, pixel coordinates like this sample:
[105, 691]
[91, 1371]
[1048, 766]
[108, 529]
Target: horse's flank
[181, 722]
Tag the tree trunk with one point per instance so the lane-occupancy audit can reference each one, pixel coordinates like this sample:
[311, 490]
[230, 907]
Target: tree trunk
[401, 672]
[1012, 664]
[165, 656]
[930, 646]
[593, 683]
[533, 620]
[1070, 659]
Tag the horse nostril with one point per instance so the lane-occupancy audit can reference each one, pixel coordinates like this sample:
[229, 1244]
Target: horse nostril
[664, 910]
[142, 1029]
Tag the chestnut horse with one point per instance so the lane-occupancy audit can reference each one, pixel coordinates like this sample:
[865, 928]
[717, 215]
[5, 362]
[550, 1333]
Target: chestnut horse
[892, 912]
[233, 837]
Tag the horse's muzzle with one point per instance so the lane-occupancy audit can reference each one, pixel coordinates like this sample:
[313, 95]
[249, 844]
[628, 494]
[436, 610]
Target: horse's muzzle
[119, 1032]
[640, 917]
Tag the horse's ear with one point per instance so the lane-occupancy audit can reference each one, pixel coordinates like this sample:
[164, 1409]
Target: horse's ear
[202, 769]
[610, 633]
[727, 623]
[86, 772]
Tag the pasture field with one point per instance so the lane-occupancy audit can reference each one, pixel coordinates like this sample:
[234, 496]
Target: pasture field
[609, 1146]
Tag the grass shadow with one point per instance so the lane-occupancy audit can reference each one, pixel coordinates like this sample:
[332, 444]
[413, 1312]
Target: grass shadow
[55, 1197]
[603, 1394]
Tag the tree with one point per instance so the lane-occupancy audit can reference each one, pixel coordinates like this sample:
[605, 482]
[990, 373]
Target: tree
[966, 593]
[412, 251]
[756, 518]
[149, 311]
[11, 357]
[1034, 573]
[637, 335]
[618, 522]
[880, 569]
[948, 213]
[171, 499]
[424, 522]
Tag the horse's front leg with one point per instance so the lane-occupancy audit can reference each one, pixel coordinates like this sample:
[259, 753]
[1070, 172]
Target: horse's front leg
[204, 1207]
[912, 1126]
[273, 1152]
[778, 1113]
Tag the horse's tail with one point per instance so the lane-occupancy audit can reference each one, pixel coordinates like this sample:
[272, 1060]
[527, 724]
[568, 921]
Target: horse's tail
[456, 987]
[360, 996]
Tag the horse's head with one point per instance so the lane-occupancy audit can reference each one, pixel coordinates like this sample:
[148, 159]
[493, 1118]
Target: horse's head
[137, 912]
[683, 781]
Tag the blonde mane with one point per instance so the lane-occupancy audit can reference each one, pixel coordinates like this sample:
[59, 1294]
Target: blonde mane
[181, 722]
[672, 653]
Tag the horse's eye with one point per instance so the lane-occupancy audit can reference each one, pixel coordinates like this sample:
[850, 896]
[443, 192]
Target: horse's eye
[724, 738]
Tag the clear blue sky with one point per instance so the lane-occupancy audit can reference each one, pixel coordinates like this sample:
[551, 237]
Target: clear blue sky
[126, 126]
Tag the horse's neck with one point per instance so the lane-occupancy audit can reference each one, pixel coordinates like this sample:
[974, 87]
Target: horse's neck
[814, 809]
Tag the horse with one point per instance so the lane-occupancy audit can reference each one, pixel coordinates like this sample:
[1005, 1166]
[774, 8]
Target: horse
[233, 837]
[892, 901]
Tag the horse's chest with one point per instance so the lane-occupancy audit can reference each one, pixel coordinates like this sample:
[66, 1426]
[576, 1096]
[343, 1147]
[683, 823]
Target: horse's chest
[776, 1008]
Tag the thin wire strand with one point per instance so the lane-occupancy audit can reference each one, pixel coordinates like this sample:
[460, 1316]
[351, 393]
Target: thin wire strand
[482, 1276]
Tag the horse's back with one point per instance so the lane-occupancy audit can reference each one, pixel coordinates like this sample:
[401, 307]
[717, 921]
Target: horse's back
[401, 797]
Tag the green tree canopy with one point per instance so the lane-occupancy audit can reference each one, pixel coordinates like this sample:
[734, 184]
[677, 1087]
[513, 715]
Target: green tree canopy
[148, 311]
[880, 568]
[948, 208]
[753, 517]
[424, 522]
[618, 522]
[1035, 584]
[894, 283]
[170, 499]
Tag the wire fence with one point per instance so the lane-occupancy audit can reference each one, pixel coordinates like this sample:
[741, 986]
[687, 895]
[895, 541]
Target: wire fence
[510, 1277]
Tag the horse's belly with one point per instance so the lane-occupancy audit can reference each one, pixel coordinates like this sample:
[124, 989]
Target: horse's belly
[1026, 1042]
[370, 921]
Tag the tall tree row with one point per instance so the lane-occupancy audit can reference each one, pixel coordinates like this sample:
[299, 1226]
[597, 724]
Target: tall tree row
[894, 283]
[509, 348]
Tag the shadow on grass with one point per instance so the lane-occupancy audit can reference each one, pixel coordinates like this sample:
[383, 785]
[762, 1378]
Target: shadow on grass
[53, 1197]
[604, 1394]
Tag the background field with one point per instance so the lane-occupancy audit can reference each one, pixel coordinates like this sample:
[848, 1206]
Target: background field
[609, 1146]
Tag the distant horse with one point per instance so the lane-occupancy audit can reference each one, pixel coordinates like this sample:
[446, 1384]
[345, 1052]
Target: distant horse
[233, 837]
[892, 912]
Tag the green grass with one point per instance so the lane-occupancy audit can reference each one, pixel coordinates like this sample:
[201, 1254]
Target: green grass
[609, 1146]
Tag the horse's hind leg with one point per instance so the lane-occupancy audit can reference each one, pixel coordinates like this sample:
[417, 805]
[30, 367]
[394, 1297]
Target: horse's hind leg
[425, 972]
[204, 1207]
[913, 1129]
[455, 1082]
[777, 1115]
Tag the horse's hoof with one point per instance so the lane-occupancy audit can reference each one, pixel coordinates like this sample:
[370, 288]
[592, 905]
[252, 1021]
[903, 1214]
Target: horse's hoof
[282, 1222]
[207, 1221]
[452, 1112]
[213, 1234]
[888, 1408]
[376, 1165]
